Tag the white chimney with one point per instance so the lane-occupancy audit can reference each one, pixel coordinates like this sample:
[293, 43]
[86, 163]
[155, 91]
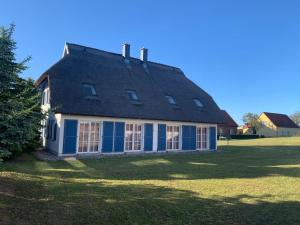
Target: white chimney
[126, 51]
[144, 55]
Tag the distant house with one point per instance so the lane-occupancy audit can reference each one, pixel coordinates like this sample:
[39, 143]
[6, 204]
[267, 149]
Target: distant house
[275, 125]
[245, 129]
[229, 127]
[108, 103]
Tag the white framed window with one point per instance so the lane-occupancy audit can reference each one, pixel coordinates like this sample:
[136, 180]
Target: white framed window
[89, 133]
[202, 138]
[46, 97]
[173, 133]
[133, 137]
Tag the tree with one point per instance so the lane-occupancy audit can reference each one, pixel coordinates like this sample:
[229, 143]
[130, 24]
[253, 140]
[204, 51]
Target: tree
[296, 118]
[20, 111]
[252, 120]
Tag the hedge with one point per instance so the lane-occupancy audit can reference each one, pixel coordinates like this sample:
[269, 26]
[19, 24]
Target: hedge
[245, 136]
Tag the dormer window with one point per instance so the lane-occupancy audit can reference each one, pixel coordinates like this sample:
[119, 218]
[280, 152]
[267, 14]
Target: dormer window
[89, 90]
[171, 99]
[198, 103]
[132, 95]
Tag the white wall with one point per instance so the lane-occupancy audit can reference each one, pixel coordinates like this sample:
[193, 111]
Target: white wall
[61, 117]
[52, 145]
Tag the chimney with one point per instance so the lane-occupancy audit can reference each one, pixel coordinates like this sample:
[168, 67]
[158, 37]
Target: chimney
[144, 55]
[126, 51]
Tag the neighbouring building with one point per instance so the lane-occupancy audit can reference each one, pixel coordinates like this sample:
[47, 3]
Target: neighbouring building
[245, 129]
[275, 125]
[229, 127]
[108, 103]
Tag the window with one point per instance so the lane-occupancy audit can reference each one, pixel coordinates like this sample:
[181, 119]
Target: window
[46, 96]
[172, 137]
[198, 103]
[132, 95]
[89, 90]
[133, 137]
[221, 131]
[88, 136]
[171, 99]
[202, 138]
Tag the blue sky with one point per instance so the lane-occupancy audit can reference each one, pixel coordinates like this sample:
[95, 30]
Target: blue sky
[246, 54]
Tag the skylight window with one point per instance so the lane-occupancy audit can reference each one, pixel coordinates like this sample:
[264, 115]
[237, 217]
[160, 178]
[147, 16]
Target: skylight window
[132, 95]
[171, 99]
[89, 90]
[198, 103]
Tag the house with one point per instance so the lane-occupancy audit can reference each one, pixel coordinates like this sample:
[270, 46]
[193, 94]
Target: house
[229, 127]
[108, 103]
[275, 125]
[245, 129]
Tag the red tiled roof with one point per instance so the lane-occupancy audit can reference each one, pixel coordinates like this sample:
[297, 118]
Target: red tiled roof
[281, 120]
[228, 120]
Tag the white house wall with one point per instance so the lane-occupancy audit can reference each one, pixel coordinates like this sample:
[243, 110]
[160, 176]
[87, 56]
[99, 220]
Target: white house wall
[60, 118]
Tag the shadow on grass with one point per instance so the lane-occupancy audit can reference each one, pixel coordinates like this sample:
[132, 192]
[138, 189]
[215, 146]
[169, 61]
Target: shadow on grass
[25, 201]
[229, 162]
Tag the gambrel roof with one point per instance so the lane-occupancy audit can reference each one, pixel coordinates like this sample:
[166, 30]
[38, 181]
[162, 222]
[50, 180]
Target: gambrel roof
[112, 77]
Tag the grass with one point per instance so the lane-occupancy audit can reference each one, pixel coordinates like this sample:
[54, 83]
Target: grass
[246, 182]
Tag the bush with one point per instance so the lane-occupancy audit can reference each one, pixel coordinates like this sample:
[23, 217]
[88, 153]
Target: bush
[245, 136]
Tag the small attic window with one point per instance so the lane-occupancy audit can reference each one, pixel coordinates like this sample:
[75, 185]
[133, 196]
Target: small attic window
[198, 103]
[132, 95]
[171, 99]
[89, 90]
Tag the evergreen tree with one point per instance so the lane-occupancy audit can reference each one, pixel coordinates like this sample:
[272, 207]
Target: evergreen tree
[20, 111]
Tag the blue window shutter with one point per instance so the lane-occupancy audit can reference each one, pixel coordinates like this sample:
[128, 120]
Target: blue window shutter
[161, 137]
[148, 137]
[193, 138]
[54, 131]
[119, 137]
[212, 138]
[70, 136]
[107, 137]
[48, 129]
[186, 138]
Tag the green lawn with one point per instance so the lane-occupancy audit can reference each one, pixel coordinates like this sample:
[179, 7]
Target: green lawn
[246, 182]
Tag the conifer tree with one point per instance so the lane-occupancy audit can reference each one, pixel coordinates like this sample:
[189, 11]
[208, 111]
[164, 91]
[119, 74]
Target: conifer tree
[20, 112]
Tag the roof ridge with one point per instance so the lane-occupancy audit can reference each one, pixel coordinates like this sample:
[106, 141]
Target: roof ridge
[118, 54]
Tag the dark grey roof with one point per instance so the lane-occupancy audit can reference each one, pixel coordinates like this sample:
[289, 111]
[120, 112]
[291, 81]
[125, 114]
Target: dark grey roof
[111, 77]
[281, 120]
[229, 121]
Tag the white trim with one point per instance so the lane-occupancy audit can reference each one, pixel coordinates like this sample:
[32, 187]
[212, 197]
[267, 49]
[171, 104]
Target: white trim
[179, 138]
[155, 138]
[207, 138]
[65, 51]
[142, 136]
[114, 119]
[126, 121]
[78, 136]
